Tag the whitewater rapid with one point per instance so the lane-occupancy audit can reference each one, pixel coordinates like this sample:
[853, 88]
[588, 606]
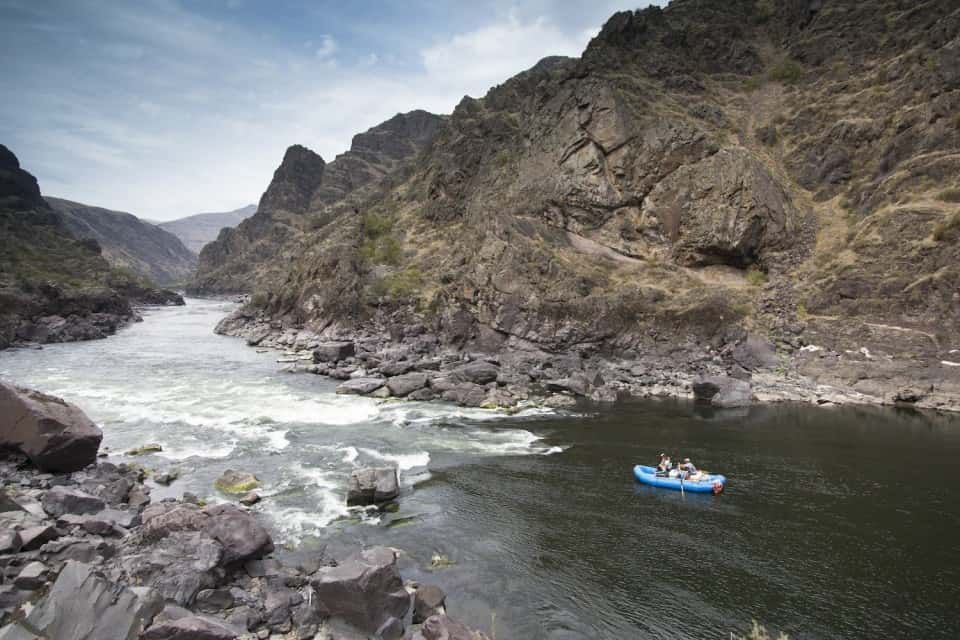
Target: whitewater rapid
[212, 403]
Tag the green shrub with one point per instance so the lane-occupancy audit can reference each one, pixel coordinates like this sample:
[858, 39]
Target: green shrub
[404, 284]
[786, 71]
[376, 225]
[802, 313]
[502, 158]
[260, 300]
[756, 277]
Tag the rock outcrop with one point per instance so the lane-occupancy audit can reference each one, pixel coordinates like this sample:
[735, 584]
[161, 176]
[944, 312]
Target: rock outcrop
[55, 286]
[54, 434]
[299, 200]
[703, 170]
[199, 229]
[128, 242]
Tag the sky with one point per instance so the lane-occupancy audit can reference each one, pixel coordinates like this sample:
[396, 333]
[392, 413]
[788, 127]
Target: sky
[165, 108]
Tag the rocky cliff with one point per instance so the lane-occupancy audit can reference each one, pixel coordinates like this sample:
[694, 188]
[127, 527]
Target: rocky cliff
[199, 229]
[704, 173]
[128, 242]
[54, 286]
[301, 198]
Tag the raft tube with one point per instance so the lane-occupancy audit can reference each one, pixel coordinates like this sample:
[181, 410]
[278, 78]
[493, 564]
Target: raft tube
[711, 483]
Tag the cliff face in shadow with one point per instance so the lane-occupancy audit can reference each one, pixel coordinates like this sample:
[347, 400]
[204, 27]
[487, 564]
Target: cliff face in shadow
[128, 242]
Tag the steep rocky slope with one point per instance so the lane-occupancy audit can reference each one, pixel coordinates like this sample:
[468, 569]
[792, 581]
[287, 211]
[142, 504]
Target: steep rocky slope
[257, 253]
[199, 229]
[705, 172]
[128, 242]
[55, 287]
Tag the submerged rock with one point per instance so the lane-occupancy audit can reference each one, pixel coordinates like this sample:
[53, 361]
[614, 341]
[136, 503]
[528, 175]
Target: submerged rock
[56, 435]
[236, 482]
[153, 447]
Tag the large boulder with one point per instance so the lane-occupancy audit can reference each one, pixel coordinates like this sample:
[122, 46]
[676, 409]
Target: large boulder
[62, 500]
[236, 482]
[477, 372]
[239, 533]
[721, 391]
[755, 352]
[360, 386]
[467, 394]
[333, 351]
[365, 590]
[84, 606]
[56, 435]
[428, 601]
[372, 485]
[407, 383]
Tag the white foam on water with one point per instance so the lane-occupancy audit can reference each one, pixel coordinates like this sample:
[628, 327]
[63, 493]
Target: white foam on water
[404, 461]
[196, 449]
[330, 504]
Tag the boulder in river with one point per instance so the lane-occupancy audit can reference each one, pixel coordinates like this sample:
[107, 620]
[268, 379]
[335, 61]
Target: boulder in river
[372, 485]
[152, 447]
[404, 385]
[365, 590]
[236, 482]
[56, 435]
[721, 391]
[333, 351]
[428, 601]
[360, 386]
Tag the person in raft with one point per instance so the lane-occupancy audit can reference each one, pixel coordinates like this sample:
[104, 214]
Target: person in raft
[690, 472]
[664, 465]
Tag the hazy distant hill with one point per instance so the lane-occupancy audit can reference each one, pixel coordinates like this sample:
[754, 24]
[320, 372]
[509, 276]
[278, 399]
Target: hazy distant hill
[197, 230]
[129, 242]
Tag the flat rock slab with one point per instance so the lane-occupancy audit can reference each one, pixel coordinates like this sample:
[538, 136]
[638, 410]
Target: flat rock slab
[84, 606]
[360, 386]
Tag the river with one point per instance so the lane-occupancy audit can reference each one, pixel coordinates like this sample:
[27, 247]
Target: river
[837, 522]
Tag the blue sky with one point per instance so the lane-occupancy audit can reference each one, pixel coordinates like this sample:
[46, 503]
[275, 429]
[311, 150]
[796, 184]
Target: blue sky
[165, 108]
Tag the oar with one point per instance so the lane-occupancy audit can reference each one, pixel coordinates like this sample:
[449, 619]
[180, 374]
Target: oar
[681, 484]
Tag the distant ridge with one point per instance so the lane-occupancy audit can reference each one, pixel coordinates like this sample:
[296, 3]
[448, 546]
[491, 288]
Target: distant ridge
[199, 229]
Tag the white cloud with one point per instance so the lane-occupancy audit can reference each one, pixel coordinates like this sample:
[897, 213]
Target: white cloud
[328, 47]
[202, 119]
[479, 59]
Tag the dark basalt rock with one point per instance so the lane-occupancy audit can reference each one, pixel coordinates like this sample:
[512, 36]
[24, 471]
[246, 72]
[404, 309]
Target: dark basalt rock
[54, 434]
[365, 589]
[372, 485]
[723, 392]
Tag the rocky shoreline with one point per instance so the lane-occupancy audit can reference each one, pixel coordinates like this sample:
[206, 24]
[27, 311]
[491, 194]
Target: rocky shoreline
[406, 360]
[86, 555]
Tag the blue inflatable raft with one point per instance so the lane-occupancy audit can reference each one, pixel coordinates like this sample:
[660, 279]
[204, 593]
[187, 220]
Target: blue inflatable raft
[709, 483]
